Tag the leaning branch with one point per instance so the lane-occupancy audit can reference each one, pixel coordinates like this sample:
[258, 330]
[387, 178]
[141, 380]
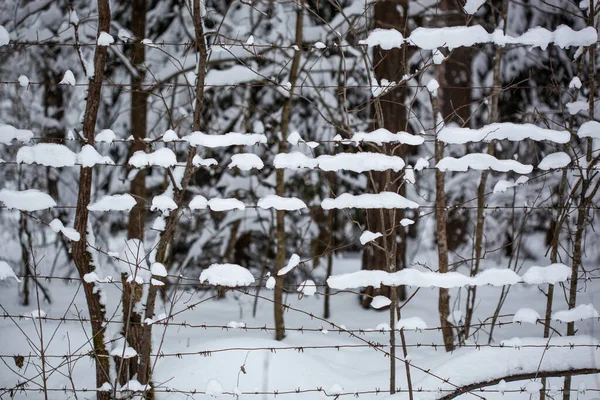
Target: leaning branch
[519, 377]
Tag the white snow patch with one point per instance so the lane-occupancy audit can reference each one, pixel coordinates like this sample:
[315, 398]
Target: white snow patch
[555, 160]
[581, 312]
[481, 161]
[4, 36]
[162, 157]
[201, 162]
[503, 185]
[199, 202]
[6, 272]
[386, 200]
[380, 302]
[307, 288]
[68, 78]
[229, 139]
[106, 136]
[406, 222]
[116, 202]
[230, 275]
[472, 6]
[368, 236]
[387, 39]
[26, 200]
[360, 162]
[158, 269]
[281, 203]
[551, 274]
[502, 131]
[23, 81]
[527, 315]
[292, 263]
[8, 133]
[246, 162]
[225, 204]
[163, 203]
[589, 129]
[57, 226]
[105, 39]
[48, 154]
[380, 136]
[89, 156]
[170, 136]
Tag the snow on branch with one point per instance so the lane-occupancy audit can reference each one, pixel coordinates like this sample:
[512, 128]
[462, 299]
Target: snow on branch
[8, 133]
[360, 162]
[465, 36]
[380, 136]
[589, 129]
[555, 160]
[356, 162]
[229, 139]
[385, 200]
[502, 131]
[117, 202]
[89, 156]
[26, 200]
[554, 273]
[162, 157]
[581, 312]
[230, 275]
[217, 204]
[281, 203]
[480, 161]
[6, 272]
[246, 162]
[47, 154]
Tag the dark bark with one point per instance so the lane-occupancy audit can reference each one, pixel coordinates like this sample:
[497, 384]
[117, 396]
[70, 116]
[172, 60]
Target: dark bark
[519, 377]
[81, 254]
[280, 184]
[389, 113]
[132, 291]
[145, 370]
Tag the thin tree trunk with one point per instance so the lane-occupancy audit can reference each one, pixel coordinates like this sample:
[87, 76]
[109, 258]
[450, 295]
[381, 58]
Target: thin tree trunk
[480, 223]
[166, 236]
[441, 221]
[388, 112]
[331, 223]
[583, 209]
[280, 183]
[132, 291]
[81, 253]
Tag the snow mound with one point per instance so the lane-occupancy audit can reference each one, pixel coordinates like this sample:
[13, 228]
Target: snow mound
[230, 275]
[26, 200]
[281, 203]
[8, 133]
[368, 201]
[48, 154]
[116, 202]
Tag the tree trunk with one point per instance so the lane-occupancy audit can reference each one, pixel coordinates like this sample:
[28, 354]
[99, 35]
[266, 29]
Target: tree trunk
[145, 370]
[280, 184]
[81, 253]
[132, 291]
[390, 114]
[441, 236]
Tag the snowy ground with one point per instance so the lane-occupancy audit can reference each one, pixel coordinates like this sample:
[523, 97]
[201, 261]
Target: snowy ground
[192, 360]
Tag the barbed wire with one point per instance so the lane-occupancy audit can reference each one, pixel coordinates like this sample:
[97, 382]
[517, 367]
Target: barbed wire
[275, 393]
[321, 330]
[158, 85]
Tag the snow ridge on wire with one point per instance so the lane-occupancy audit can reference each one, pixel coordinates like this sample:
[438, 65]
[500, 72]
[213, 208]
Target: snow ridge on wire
[465, 36]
